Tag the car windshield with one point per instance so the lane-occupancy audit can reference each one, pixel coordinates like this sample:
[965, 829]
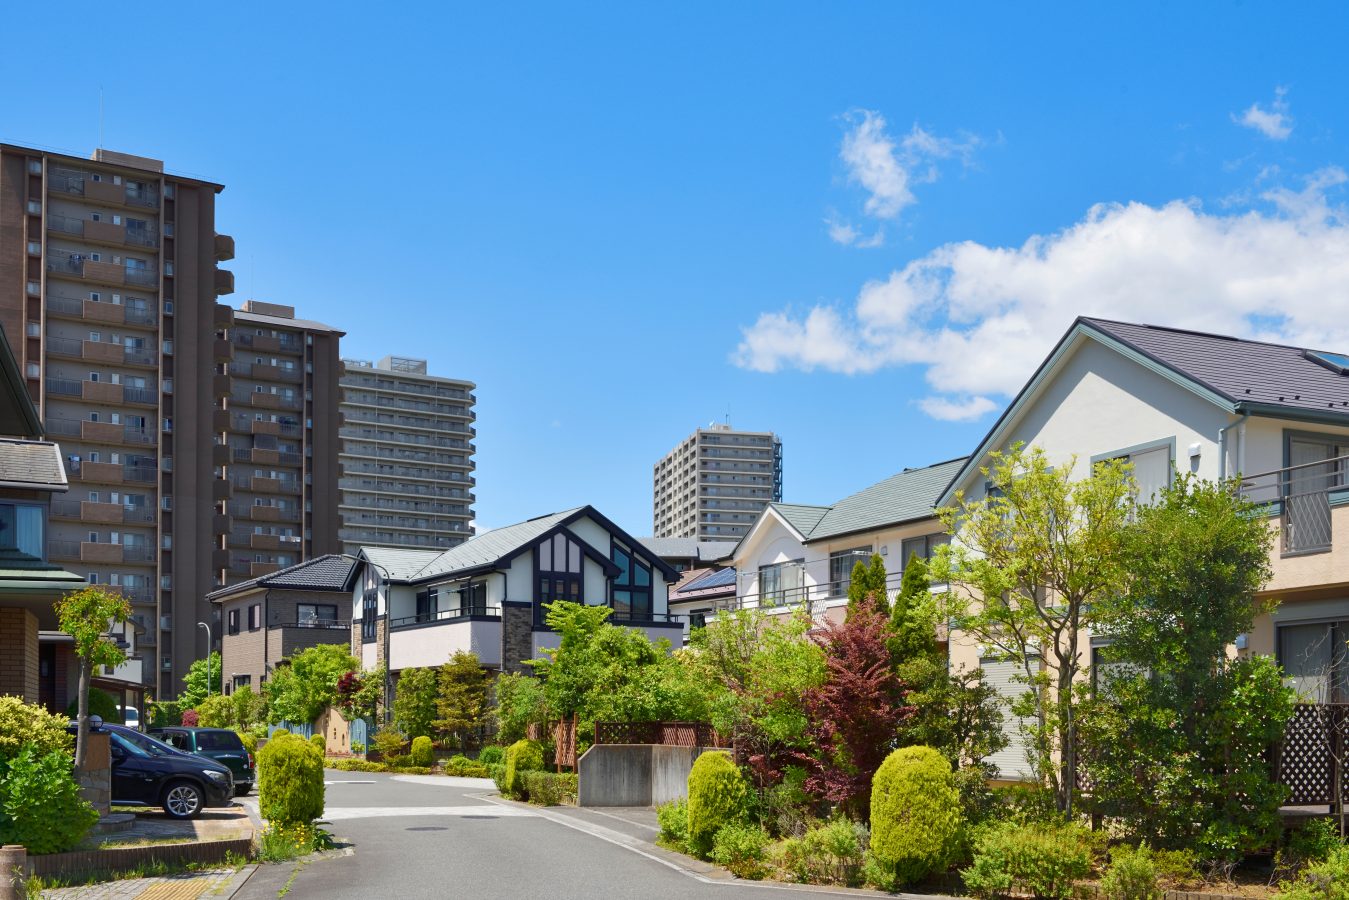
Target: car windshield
[141, 745]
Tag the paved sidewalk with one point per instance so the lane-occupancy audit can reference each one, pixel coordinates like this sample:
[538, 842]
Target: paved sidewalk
[190, 886]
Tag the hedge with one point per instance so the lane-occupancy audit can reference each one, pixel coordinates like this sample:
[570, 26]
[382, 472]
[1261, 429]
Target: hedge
[521, 757]
[290, 781]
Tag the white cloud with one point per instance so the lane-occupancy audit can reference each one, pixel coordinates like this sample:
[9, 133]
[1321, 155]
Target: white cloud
[886, 169]
[1274, 123]
[980, 318]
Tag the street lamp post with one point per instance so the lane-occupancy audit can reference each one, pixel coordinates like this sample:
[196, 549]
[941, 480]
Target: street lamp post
[208, 660]
[388, 669]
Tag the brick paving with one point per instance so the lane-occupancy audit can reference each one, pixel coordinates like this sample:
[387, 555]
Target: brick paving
[171, 887]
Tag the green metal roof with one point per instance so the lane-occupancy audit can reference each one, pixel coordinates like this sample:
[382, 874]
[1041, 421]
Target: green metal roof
[909, 495]
[800, 516]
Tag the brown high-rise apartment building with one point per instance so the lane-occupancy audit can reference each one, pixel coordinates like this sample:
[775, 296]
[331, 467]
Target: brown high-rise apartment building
[283, 440]
[108, 286]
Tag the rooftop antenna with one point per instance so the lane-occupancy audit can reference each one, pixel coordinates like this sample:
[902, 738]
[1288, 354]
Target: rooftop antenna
[100, 117]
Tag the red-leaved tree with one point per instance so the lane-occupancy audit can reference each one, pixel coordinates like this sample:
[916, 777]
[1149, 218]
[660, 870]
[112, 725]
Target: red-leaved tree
[854, 715]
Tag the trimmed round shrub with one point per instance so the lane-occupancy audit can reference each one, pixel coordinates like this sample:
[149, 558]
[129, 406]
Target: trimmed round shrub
[101, 704]
[1131, 875]
[40, 803]
[522, 756]
[916, 821]
[491, 755]
[421, 754]
[24, 724]
[718, 796]
[290, 780]
[319, 741]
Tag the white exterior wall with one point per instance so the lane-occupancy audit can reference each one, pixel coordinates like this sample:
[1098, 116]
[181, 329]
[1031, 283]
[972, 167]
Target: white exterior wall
[433, 645]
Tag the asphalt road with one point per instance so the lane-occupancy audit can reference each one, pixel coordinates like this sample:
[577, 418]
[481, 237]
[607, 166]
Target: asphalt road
[416, 838]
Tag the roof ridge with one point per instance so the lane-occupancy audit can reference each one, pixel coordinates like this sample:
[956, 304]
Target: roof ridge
[1210, 334]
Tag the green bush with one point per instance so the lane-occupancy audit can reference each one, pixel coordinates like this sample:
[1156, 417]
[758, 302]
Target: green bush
[320, 742]
[290, 781]
[1313, 842]
[1131, 875]
[742, 848]
[101, 704]
[215, 711]
[550, 788]
[355, 765]
[521, 757]
[497, 772]
[40, 804]
[280, 732]
[673, 818]
[1176, 868]
[491, 754]
[357, 747]
[29, 724]
[166, 712]
[388, 743]
[463, 767]
[718, 796]
[916, 820]
[1045, 861]
[422, 754]
[1325, 880]
[830, 853]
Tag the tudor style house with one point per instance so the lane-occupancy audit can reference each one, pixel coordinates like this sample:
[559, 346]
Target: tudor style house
[415, 608]
[1170, 400]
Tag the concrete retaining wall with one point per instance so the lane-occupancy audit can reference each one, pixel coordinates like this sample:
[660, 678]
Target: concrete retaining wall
[634, 774]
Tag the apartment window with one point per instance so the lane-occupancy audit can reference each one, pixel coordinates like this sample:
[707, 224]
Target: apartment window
[312, 615]
[1315, 660]
[233, 617]
[255, 617]
[841, 565]
[632, 585]
[780, 583]
[924, 546]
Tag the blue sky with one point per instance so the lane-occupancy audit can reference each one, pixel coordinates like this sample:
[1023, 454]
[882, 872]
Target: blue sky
[859, 225]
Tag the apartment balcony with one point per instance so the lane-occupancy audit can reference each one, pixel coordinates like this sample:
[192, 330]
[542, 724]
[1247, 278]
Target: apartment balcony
[264, 400]
[224, 248]
[100, 553]
[266, 343]
[222, 315]
[97, 473]
[82, 184]
[103, 352]
[67, 264]
[224, 282]
[221, 350]
[104, 232]
[266, 372]
[1308, 508]
[431, 639]
[105, 313]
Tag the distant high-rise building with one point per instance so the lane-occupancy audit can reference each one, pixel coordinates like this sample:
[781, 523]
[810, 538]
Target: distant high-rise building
[283, 443]
[108, 286]
[714, 485]
[407, 456]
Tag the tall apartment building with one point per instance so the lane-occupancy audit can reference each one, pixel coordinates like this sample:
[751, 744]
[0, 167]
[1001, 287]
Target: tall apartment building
[714, 485]
[407, 456]
[108, 285]
[283, 440]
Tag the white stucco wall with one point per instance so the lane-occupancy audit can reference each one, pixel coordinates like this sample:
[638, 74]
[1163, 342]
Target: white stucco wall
[433, 645]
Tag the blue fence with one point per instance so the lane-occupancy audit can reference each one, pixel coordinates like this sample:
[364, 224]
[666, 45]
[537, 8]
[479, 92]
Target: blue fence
[304, 731]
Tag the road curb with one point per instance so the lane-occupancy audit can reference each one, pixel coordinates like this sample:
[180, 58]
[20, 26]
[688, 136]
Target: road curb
[237, 882]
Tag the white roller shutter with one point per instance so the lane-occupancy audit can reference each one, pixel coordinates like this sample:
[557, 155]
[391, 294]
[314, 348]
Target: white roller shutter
[1011, 760]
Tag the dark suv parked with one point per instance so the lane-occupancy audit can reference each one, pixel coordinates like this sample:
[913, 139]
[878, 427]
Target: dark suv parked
[147, 772]
[219, 744]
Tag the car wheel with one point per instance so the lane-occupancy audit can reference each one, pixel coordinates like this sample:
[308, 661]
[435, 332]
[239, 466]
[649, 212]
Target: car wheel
[183, 800]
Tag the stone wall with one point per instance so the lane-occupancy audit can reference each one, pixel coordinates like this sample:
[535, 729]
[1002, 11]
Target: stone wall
[18, 654]
[517, 635]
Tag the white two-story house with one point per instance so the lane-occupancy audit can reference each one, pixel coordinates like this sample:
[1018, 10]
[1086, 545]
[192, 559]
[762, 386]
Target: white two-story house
[487, 595]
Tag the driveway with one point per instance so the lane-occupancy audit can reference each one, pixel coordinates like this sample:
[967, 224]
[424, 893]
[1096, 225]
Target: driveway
[431, 837]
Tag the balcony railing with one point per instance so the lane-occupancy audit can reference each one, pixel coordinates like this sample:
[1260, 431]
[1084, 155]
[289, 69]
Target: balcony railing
[1301, 497]
[448, 615]
[311, 622]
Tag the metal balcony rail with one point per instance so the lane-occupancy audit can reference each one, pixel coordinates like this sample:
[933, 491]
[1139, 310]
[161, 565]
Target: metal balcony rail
[66, 387]
[138, 553]
[285, 342]
[358, 379]
[314, 622]
[143, 474]
[459, 611]
[1300, 496]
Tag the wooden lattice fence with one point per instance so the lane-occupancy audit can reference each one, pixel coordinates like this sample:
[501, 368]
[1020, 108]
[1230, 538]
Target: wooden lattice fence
[1311, 759]
[669, 734]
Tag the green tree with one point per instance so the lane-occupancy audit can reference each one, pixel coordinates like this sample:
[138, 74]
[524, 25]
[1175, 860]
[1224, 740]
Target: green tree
[519, 704]
[196, 686]
[461, 698]
[868, 586]
[414, 701]
[302, 689]
[86, 615]
[913, 616]
[1177, 738]
[1035, 559]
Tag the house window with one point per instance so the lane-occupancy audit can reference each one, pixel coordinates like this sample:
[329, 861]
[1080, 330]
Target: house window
[841, 564]
[558, 560]
[233, 621]
[1315, 660]
[369, 610]
[255, 617]
[924, 546]
[242, 681]
[315, 615]
[466, 599]
[21, 529]
[1152, 467]
[780, 583]
[632, 585]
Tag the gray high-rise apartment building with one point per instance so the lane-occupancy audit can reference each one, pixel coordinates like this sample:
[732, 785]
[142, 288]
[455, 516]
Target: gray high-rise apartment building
[407, 456]
[715, 483]
[108, 287]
